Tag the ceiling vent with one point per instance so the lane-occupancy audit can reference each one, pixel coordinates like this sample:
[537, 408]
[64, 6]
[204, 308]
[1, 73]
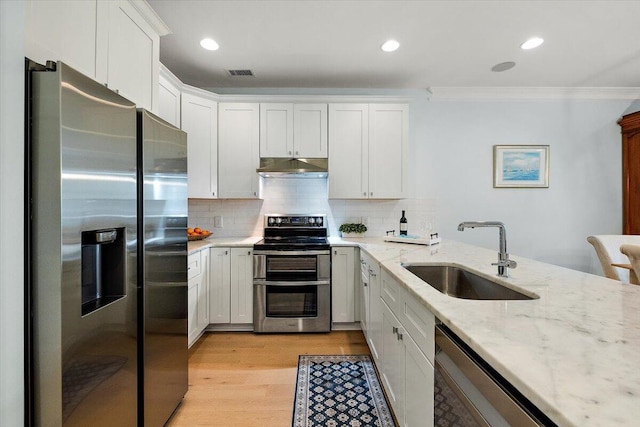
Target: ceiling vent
[240, 73]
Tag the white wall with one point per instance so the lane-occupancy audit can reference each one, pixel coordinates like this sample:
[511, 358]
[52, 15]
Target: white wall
[11, 213]
[584, 195]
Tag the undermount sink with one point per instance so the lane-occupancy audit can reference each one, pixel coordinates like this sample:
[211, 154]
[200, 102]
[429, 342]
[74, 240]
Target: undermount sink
[461, 283]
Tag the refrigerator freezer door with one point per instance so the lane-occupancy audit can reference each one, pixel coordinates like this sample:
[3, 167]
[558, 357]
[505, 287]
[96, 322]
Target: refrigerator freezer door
[83, 180]
[163, 175]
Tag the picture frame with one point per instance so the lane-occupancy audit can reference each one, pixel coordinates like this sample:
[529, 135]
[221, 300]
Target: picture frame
[521, 166]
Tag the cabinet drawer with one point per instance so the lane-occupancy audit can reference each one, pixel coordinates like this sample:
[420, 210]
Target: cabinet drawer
[390, 292]
[193, 265]
[419, 323]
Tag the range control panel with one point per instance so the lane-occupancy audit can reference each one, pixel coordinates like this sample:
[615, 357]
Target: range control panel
[277, 220]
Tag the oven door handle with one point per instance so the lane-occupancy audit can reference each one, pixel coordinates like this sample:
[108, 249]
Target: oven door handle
[291, 253]
[282, 283]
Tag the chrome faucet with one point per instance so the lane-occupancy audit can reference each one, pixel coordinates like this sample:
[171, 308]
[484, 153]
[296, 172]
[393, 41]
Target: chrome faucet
[504, 263]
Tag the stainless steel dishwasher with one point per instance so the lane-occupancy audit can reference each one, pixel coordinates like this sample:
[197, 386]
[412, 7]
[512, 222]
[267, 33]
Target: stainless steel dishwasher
[470, 393]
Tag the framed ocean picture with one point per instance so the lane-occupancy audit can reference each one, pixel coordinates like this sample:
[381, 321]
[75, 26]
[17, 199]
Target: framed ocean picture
[520, 166]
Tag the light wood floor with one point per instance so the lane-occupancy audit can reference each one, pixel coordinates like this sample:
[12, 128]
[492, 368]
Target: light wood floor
[242, 379]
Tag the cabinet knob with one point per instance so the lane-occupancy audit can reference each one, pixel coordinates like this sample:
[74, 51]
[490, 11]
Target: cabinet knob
[399, 337]
[226, 252]
[214, 193]
[289, 152]
[335, 252]
[395, 330]
[296, 153]
[248, 252]
[372, 273]
[364, 194]
[255, 193]
[371, 194]
[365, 284]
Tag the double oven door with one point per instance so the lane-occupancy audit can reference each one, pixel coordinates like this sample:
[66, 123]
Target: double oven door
[292, 291]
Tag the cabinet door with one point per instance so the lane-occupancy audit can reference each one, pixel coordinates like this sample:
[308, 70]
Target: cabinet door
[364, 305]
[219, 285]
[310, 130]
[200, 121]
[418, 387]
[203, 292]
[133, 55]
[241, 285]
[348, 156]
[168, 101]
[70, 36]
[192, 309]
[388, 144]
[238, 148]
[343, 284]
[276, 130]
[374, 324]
[393, 362]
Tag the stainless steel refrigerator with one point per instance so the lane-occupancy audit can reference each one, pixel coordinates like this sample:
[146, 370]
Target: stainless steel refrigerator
[107, 254]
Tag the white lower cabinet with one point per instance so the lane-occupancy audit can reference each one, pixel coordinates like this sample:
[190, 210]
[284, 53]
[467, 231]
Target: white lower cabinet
[198, 294]
[231, 295]
[241, 285]
[400, 334]
[364, 295]
[374, 324]
[392, 365]
[343, 278]
[220, 290]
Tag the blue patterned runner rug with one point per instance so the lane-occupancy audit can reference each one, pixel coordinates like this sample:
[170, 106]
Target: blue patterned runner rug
[336, 391]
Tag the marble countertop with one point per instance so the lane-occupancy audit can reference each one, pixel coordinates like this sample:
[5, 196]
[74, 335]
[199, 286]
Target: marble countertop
[574, 352]
[227, 242]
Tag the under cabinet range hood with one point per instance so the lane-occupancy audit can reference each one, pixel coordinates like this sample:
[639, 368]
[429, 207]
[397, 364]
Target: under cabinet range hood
[275, 167]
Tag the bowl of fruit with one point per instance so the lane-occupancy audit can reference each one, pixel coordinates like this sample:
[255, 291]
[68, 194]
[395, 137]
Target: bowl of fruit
[197, 233]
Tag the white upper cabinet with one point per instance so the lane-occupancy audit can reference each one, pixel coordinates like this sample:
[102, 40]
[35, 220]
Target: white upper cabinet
[293, 130]
[114, 42]
[388, 140]
[276, 130]
[133, 59]
[169, 97]
[200, 122]
[310, 130]
[348, 151]
[367, 151]
[64, 31]
[238, 150]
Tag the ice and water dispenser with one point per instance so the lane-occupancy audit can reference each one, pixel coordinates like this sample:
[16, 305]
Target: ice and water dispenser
[103, 268]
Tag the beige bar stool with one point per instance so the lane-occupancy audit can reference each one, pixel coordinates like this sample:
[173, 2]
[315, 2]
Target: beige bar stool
[607, 248]
[633, 253]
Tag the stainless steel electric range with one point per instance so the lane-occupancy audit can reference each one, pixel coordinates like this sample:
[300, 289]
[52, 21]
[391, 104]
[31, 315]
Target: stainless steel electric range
[292, 275]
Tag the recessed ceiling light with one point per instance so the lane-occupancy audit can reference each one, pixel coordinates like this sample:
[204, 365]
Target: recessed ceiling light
[390, 46]
[533, 42]
[209, 44]
[503, 66]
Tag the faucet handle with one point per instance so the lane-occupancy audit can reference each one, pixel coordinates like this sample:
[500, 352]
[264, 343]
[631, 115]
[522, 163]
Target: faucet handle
[509, 263]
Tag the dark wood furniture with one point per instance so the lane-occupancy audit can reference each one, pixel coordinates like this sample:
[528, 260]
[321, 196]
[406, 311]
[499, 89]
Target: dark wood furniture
[630, 125]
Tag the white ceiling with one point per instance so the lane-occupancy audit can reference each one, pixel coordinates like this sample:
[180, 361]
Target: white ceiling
[336, 44]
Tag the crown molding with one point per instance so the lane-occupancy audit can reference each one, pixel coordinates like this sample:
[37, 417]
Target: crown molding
[363, 99]
[151, 17]
[534, 93]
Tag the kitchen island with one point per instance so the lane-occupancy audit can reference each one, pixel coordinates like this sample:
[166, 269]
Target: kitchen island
[574, 352]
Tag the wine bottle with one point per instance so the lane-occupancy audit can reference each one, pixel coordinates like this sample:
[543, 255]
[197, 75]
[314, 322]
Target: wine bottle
[403, 225]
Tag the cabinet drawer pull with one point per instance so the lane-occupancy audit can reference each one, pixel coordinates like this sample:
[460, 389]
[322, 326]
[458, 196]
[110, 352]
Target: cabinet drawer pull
[372, 273]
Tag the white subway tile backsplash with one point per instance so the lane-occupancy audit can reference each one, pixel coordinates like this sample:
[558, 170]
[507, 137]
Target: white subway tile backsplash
[299, 196]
